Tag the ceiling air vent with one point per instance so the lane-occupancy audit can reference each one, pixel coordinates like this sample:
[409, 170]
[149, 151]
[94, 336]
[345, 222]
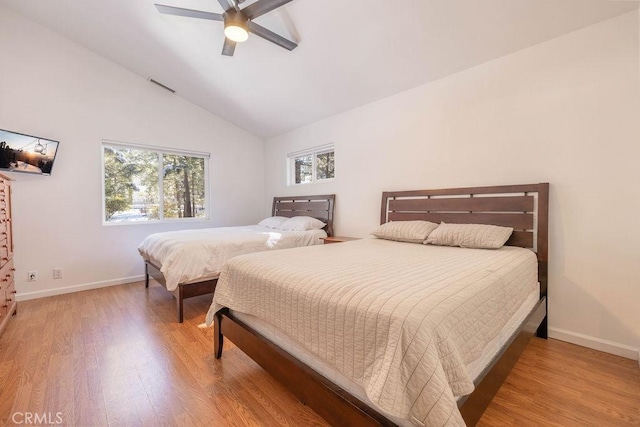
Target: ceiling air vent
[161, 85]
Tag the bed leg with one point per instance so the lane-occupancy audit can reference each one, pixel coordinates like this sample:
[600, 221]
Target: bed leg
[146, 275]
[542, 329]
[218, 338]
[179, 299]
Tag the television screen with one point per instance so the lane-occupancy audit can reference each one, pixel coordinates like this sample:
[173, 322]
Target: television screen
[26, 153]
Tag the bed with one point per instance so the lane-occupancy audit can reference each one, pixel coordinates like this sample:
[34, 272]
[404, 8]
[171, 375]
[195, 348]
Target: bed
[523, 207]
[187, 263]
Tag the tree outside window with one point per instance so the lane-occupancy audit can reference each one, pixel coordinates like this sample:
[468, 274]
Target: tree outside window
[142, 184]
[303, 169]
[312, 165]
[325, 165]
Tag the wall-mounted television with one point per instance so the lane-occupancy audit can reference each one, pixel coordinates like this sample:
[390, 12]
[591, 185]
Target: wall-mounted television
[26, 153]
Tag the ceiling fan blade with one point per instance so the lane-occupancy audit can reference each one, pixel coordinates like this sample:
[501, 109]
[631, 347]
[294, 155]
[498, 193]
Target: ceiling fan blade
[228, 47]
[189, 13]
[259, 30]
[226, 5]
[261, 7]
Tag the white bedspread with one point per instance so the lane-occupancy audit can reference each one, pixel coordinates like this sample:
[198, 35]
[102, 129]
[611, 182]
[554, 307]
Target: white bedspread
[401, 320]
[193, 255]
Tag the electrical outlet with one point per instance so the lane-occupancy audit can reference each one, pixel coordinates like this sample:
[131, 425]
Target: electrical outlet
[32, 276]
[57, 273]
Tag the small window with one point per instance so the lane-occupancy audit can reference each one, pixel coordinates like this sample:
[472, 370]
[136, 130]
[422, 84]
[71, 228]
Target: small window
[313, 165]
[143, 184]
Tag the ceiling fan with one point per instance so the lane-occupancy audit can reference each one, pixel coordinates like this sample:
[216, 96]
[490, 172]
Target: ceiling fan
[238, 23]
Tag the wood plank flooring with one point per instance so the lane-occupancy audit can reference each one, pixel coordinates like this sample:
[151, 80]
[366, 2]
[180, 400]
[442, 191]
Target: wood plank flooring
[115, 356]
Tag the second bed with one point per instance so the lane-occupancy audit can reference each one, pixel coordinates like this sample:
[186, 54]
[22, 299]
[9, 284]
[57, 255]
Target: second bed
[188, 262]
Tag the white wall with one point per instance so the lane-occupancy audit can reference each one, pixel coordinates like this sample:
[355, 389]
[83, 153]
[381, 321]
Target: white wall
[566, 112]
[56, 89]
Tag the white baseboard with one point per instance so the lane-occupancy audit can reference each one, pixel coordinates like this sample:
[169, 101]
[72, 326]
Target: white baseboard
[595, 343]
[24, 296]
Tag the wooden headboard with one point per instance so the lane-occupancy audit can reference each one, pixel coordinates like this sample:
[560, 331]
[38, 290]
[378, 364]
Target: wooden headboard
[523, 207]
[320, 207]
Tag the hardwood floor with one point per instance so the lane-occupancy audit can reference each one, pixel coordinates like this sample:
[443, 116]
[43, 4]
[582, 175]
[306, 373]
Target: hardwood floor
[559, 384]
[116, 356]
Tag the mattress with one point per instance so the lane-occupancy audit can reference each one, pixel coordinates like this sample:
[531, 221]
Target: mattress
[401, 321]
[189, 256]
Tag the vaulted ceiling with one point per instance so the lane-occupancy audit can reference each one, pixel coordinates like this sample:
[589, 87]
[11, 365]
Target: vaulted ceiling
[350, 53]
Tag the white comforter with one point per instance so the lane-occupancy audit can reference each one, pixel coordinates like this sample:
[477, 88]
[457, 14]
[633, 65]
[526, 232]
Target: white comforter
[193, 255]
[401, 320]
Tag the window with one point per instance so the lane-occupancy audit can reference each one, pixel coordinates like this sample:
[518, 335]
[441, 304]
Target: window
[313, 165]
[152, 184]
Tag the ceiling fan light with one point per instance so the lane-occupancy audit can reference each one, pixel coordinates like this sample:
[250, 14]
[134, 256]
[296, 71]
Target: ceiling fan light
[236, 31]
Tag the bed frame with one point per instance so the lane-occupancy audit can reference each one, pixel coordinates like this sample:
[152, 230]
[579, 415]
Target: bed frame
[523, 207]
[320, 207]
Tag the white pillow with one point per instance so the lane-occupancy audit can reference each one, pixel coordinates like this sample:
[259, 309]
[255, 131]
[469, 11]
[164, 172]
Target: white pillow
[273, 222]
[477, 236]
[302, 223]
[405, 231]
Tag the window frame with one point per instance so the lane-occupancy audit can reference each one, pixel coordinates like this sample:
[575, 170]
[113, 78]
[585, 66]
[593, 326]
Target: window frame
[160, 151]
[314, 153]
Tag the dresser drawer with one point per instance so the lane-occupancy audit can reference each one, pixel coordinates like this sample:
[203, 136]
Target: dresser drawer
[4, 252]
[7, 273]
[9, 298]
[7, 288]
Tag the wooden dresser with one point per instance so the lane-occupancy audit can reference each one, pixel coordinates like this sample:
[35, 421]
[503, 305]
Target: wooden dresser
[8, 304]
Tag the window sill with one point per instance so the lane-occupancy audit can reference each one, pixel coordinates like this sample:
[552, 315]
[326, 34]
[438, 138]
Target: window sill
[156, 222]
[321, 181]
